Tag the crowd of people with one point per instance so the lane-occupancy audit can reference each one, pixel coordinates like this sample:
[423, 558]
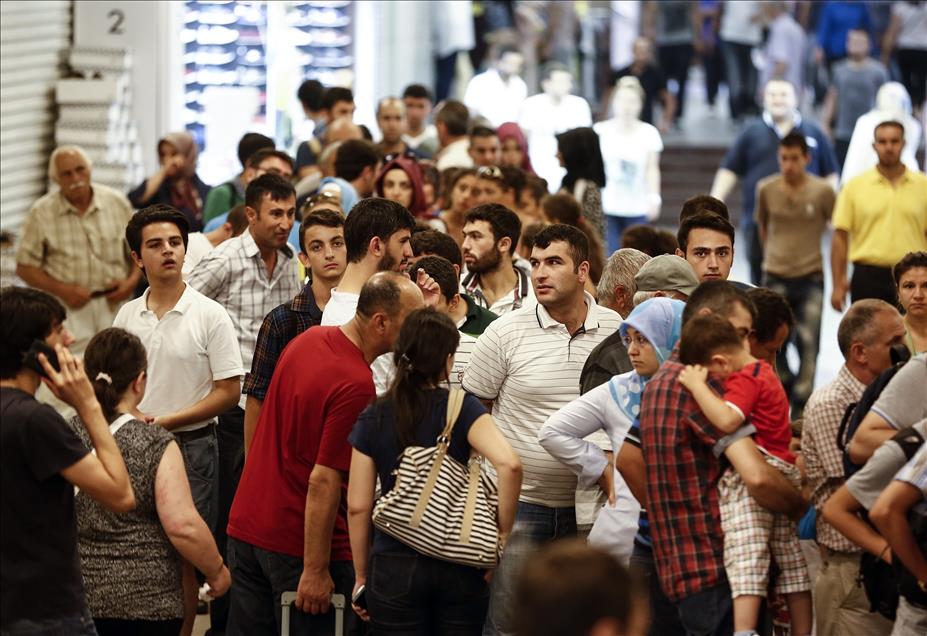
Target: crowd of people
[214, 393]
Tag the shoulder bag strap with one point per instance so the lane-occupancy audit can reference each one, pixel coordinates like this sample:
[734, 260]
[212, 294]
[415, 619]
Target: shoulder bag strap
[454, 403]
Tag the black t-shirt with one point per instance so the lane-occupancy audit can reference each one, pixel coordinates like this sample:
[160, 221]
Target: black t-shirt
[374, 435]
[40, 571]
[652, 80]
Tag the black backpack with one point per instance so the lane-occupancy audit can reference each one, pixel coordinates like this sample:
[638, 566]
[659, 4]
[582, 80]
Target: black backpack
[884, 582]
[856, 411]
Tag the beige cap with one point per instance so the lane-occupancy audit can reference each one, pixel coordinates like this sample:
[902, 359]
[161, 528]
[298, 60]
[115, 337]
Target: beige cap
[667, 272]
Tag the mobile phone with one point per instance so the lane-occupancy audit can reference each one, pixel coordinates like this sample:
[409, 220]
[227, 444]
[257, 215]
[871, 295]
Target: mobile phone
[31, 358]
[360, 597]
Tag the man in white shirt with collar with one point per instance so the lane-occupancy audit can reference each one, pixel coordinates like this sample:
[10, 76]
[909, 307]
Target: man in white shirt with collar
[194, 362]
[528, 364]
[498, 93]
[491, 233]
[249, 275]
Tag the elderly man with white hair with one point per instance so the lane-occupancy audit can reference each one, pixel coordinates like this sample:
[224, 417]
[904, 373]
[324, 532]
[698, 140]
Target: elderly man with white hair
[73, 246]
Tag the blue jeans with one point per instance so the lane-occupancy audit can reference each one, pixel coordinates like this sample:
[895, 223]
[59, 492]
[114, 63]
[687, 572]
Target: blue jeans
[75, 625]
[413, 594]
[664, 619]
[534, 525]
[260, 577]
[805, 296]
[741, 78]
[708, 613]
[200, 450]
[615, 227]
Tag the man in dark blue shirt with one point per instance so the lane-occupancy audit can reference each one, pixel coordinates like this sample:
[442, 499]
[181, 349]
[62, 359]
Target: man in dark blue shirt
[753, 156]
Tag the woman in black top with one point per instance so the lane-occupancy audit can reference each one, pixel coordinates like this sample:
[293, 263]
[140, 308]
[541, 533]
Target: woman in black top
[408, 592]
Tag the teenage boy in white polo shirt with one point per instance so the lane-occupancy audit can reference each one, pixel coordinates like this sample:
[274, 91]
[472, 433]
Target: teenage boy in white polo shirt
[528, 363]
[194, 361]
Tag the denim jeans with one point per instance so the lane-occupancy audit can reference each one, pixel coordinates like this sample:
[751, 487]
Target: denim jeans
[754, 252]
[230, 436]
[259, 577]
[664, 618]
[75, 625]
[708, 613]
[805, 295]
[412, 594]
[201, 461]
[615, 227]
[534, 525]
[741, 78]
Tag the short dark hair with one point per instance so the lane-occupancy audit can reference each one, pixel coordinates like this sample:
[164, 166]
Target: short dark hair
[353, 156]
[572, 236]
[795, 140]
[432, 242]
[442, 271]
[529, 233]
[535, 186]
[158, 213]
[336, 94]
[238, 219]
[666, 242]
[502, 221]
[381, 292]
[569, 587]
[417, 91]
[324, 217]
[455, 116]
[644, 238]
[703, 220]
[372, 217]
[279, 188]
[514, 179]
[890, 122]
[908, 262]
[858, 324]
[310, 94]
[250, 143]
[122, 357]
[26, 314]
[482, 131]
[718, 296]
[703, 203]
[772, 310]
[706, 335]
[258, 157]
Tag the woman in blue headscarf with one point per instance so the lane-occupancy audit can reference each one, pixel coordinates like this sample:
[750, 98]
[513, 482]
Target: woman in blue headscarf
[650, 333]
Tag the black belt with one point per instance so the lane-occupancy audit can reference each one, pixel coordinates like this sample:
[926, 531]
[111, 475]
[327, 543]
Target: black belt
[189, 436]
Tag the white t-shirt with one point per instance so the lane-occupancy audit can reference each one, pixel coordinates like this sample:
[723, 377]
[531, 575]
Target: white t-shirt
[384, 370]
[455, 155]
[540, 120]
[190, 347]
[340, 308]
[625, 154]
[741, 23]
[529, 365]
[198, 246]
[497, 100]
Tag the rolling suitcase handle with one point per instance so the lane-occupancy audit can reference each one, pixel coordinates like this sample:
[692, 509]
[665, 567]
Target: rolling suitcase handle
[286, 602]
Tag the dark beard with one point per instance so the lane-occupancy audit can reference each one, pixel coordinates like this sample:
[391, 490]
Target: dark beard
[487, 263]
[387, 263]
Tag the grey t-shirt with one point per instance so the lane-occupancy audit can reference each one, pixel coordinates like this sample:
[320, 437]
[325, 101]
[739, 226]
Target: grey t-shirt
[904, 401]
[857, 87]
[867, 484]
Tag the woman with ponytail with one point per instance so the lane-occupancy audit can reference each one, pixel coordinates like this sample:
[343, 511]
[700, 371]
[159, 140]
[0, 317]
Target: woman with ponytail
[130, 562]
[407, 591]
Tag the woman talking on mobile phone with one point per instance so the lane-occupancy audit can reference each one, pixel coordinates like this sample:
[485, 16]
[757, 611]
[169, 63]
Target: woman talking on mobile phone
[406, 591]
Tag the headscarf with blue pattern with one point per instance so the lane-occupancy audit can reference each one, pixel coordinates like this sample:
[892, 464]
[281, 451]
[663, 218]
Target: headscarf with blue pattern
[659, 320]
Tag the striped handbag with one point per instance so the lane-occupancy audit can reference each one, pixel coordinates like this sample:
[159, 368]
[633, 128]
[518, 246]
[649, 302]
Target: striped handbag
[440, 507]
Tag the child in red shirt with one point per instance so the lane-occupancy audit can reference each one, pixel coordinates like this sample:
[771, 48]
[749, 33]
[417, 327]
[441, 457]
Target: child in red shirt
[751, 533]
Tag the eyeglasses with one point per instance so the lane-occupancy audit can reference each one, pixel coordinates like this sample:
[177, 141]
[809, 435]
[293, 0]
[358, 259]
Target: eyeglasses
[490, 172]
[408, 154]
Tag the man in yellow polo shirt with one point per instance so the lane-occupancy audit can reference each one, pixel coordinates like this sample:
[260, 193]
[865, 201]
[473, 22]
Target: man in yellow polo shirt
[880, 216]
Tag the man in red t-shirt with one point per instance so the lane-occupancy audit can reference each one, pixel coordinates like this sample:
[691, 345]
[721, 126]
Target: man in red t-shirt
[288, 525]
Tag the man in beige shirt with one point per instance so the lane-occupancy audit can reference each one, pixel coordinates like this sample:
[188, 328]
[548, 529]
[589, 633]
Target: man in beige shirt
[792, 211]
[73, 246]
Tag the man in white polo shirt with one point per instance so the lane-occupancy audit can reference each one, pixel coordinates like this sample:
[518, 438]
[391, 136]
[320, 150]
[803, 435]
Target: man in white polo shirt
[491, 233]
[194, 362]
[528, 363]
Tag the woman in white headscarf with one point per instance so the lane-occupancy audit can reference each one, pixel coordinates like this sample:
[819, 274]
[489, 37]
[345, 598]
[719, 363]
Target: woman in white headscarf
[176, 182]
[892, 103]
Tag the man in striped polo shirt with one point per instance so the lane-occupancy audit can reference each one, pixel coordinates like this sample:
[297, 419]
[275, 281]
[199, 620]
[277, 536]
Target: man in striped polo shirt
[528, 363]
